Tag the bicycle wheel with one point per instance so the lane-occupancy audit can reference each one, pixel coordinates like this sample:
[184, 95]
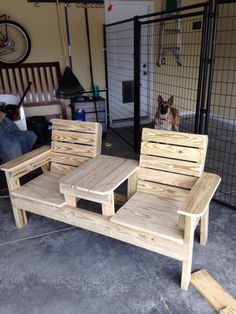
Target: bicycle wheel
[15, 44]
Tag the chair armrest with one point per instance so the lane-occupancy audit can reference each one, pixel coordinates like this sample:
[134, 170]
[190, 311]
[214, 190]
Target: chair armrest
[200, 195]
[28, 162]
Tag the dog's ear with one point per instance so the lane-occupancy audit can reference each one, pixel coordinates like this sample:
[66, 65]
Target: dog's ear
[159, 99]
[171, 100]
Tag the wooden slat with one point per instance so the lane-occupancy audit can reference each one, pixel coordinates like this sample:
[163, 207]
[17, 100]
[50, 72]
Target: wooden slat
[100, 224]
[215, 294]
[162, 190]
[168, 178]
[67, 159]
[105, 166]
[44, 188]
[110, 182]
[85, 127]
[24, 160]
[68, 180]
[201, 194]
[61, 169]
[172, 151]
[175, 138]
[177, 166]
[228, 310]
[152, 215]
[73, 137]
[73, 149]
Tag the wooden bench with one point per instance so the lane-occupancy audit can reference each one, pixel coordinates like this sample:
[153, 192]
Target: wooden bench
[170, 193]
[40, 99]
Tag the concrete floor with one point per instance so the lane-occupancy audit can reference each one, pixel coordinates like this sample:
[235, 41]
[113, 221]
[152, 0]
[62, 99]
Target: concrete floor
[49, 267]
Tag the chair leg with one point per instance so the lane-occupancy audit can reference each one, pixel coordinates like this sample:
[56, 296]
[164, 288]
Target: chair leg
[189, 227]
[20, 217]
[186, 273]
[204, 227]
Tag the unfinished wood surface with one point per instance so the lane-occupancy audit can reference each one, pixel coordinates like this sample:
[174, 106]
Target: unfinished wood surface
[73, 137]
[152, 215]
[23, 161]
[189, 227]
[172, 151]
[44, 188]
[70, 200]
[101, 224]
[167, 164]
[200, 195]
[210, 289]
[175, 138]
[73, 143]
[109, 209]
[67, 159]
[132, 184]
[204, 220]
[172, 179]
[101, 175]
[162, 190]
[228, 310]
[19, 214]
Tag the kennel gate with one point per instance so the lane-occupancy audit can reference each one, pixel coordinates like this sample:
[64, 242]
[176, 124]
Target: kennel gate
[197, 84]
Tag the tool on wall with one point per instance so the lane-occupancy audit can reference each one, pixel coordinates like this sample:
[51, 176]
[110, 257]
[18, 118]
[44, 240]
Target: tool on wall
[69, 87]
[90, 59]
[170, 45]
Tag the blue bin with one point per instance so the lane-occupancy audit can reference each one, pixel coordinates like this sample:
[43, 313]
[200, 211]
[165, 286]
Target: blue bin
[80, 115]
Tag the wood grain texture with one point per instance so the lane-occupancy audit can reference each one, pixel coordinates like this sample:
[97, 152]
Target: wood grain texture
[101, 224]
[228, 310]
[67, 159]
[200, 195]
[73, 149]
[172, 151]
[24, 160]
[170, 165]
[44, 188]
[162, 190]
[210, 289]
[173, 179]
[84, 127]
[175, 138]
[73, 137]
[152, 215]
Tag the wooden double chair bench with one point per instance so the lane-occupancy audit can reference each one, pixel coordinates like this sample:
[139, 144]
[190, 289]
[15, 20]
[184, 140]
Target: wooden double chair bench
[168, 194]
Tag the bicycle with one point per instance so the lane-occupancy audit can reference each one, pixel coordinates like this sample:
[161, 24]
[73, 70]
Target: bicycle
[15, 43]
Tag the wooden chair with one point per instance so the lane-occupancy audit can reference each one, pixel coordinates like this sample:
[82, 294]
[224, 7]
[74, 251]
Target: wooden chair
[173, 195]
[73, 143]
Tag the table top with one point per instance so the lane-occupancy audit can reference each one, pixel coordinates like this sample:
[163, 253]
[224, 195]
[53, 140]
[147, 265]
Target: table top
[100, 175]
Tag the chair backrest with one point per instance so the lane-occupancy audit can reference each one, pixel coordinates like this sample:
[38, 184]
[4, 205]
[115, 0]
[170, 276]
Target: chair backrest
[73, 143]
[170, 162]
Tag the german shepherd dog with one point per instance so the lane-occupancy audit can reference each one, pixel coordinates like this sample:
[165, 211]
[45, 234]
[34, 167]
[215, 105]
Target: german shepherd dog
[166, 117]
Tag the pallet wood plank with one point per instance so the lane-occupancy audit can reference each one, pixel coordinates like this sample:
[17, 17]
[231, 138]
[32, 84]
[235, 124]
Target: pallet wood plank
[210, 289]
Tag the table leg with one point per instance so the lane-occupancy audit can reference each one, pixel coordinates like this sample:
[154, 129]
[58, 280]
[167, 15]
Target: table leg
[109, 209]
[132, 184]
[70, 200]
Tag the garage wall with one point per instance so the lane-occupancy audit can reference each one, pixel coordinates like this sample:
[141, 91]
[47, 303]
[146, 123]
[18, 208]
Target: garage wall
[43, 27]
